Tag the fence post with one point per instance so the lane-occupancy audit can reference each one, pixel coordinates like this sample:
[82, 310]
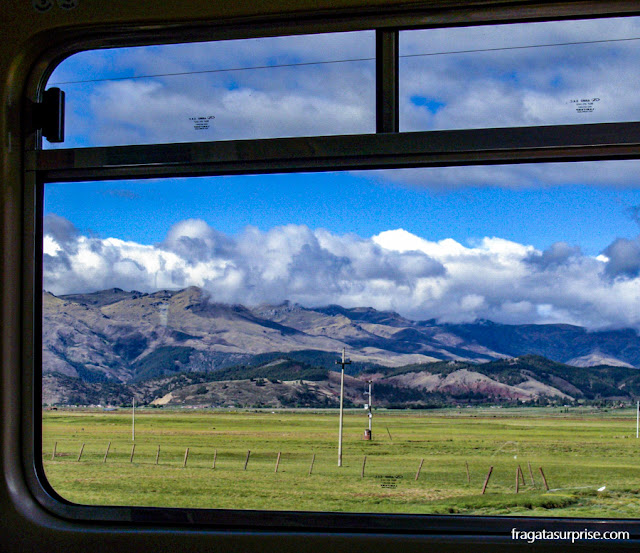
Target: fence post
[277, 461]
[133, 448]
[312, 461]
[517, 479]
[468, 475]
[364, 462]
[157, 455]
[186, 456]
[533, 482]
[55, 446]
[486, 481]
[80, 454]
[419, 469]
[107, 453]
[215, 456]
[247, 460]
[544, 479]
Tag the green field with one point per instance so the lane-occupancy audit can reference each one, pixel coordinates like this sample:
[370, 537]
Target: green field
[580, 451]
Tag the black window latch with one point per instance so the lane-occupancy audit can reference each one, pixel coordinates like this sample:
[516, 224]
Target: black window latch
[48, 115]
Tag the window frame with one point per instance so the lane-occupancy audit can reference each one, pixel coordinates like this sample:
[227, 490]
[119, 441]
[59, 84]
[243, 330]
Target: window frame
[387, 148]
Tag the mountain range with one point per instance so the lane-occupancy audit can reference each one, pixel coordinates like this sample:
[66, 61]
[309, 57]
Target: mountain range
[102, 347]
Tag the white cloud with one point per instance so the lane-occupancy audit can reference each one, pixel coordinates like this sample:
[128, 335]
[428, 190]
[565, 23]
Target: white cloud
[613, 174]
[131, 112]
[493, 279]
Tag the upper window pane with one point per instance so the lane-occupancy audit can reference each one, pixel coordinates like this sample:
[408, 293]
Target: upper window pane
[561, 72]
[225, 90]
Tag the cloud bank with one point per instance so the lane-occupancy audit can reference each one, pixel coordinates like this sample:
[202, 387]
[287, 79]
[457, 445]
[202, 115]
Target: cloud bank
[492, 279]
[529, 176]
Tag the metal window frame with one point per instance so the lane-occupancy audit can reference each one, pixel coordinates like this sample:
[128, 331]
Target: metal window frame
[600, 141]
[388, 148]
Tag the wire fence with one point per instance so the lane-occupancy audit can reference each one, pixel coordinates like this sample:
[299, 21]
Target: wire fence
[310, 463]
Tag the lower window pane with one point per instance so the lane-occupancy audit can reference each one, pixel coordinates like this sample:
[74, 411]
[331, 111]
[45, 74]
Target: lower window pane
[488, 319]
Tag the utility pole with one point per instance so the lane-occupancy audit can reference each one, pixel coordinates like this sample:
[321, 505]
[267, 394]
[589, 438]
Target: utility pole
[133, 421]
[368, 435]
[342, 362]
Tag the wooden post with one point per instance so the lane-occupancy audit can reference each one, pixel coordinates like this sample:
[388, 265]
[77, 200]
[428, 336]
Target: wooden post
[133, 448]
[157, 455]
[517, 479]
[55, 446]
[533, 482]
[468, 475]
[544, 479]
[247, 460]
[522, 475]
[215, 456]
[107, 453]
[312, 461]
[389, 433]
[419, 469]
[486, 481]
[364, 462]
[80, 454]
[186, 456]
[277, 461]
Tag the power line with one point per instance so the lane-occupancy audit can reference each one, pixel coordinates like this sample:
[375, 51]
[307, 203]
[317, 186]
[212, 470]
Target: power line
[522, 47]
[216, 71]
[303, 64]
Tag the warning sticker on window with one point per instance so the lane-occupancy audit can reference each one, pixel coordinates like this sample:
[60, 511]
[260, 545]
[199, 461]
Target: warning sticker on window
[202, 123]
[584, 105]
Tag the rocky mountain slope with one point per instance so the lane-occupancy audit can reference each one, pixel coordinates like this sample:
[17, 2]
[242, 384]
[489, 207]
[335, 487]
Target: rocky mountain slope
[114, 343]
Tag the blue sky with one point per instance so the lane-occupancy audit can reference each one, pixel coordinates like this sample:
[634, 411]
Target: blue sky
[518, 243]
[589, 217]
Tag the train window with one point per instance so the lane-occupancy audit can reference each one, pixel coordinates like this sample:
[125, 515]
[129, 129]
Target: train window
[223, 90]
[490, 316]
[545, 73]
[357, 272]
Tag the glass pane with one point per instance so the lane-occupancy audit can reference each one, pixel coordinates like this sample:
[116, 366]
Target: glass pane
[225, 90]
[562, 72]
[494, 309]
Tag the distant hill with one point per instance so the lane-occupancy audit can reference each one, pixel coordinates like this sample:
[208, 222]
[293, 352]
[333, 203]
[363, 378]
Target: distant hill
[569, 344]
[144, 342]
[284, 382]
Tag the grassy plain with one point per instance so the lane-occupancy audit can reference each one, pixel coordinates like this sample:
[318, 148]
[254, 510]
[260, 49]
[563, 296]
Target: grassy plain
[580, 451]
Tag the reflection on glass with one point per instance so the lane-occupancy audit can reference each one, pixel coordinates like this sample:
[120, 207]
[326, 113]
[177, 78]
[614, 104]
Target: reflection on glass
[567, 72]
